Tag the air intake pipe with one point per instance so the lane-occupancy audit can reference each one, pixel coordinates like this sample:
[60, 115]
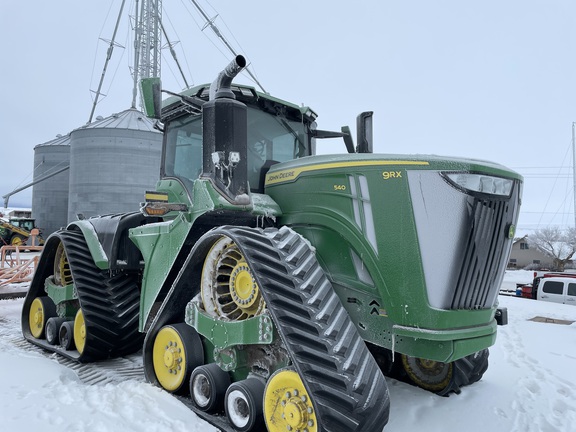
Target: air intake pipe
[224, 130]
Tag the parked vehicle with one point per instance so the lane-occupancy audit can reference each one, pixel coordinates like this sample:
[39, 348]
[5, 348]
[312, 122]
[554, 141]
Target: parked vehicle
[557, 289]
[16, 231]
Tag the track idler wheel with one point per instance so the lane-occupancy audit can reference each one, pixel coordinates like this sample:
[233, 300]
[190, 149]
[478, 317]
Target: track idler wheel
[41, 309]
[53, 329]
[208, 385]
[243, 404]
[79, 331]
[177, 351]
[287, 405]
[66, 335]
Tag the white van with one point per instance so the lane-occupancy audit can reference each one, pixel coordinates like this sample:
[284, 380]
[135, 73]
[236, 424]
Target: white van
[558, 290]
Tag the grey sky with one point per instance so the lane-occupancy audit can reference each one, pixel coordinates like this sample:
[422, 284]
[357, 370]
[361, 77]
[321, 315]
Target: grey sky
[490, 79]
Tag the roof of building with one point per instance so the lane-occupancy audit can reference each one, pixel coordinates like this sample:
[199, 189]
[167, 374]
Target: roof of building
[129, 119]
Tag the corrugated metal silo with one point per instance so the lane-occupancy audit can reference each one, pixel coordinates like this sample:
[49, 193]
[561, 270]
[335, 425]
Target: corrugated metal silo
[113, 161]
[50, 194]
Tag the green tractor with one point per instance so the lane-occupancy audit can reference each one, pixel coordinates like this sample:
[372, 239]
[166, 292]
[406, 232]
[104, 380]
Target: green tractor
[274, 286]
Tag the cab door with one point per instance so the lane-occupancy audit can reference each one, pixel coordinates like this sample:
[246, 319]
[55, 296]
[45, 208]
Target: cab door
[552, 291]
[571, 294]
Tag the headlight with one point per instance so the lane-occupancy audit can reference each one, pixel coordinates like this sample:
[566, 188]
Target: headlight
[481, 183]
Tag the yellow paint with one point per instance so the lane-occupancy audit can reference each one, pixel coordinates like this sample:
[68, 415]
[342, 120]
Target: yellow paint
[287, 405]
[37, 318]
[156, 196]
[169, 358]
[79, 331]
[294, 173]
[387, 175]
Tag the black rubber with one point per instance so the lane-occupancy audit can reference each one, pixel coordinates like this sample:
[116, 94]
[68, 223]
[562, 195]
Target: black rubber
[253, 391]
[66, 335]
[217, 381]
[345, 384]
[466, 371]
[110, 304]
[53, 329]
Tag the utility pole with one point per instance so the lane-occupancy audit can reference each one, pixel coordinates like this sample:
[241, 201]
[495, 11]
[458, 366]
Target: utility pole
[574, 167]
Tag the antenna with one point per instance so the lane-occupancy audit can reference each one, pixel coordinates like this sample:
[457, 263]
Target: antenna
[108, 57]
[210, 23]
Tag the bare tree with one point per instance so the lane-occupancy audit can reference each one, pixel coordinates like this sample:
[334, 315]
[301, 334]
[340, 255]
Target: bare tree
[557, 243]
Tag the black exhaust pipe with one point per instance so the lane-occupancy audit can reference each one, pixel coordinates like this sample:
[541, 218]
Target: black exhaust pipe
[220, 88]
[225, 136]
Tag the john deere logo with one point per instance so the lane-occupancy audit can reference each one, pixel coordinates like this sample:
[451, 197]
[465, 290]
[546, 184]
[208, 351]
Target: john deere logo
[511, 231]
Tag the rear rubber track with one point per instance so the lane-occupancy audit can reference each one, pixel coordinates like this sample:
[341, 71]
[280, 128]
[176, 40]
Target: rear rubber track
[341, 376]
[110, 305]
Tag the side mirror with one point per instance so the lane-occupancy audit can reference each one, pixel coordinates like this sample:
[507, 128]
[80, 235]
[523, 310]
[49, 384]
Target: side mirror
[151, 91]
[364, 132]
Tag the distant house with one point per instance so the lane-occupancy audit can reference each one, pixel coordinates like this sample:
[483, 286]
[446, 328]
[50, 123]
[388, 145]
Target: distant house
[20, 213]
[523, 256]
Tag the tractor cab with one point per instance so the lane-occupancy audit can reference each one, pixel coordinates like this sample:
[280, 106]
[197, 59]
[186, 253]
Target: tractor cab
[276, 131]
[24, 223]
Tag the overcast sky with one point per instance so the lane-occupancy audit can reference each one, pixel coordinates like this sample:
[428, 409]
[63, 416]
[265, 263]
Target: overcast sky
[489, 79]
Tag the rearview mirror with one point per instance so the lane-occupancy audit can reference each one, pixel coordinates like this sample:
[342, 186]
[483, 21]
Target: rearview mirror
[364, 132]
[151, 91]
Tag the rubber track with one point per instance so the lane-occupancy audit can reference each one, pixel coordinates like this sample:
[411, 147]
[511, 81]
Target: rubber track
[466, 371]
[110, 306]
[345, 383]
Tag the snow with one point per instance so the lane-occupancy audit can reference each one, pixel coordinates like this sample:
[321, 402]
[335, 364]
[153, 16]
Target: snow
[529, 386]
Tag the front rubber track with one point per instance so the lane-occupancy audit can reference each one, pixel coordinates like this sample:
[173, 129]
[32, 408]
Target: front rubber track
[110, 303]
[344, 381]
[466, 371]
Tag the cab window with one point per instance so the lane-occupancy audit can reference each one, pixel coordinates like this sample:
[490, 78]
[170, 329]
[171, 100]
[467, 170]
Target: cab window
[553, 287]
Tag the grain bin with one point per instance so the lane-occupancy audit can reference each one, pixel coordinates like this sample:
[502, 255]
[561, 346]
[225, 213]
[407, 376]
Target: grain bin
[113, 161]
[50, 193]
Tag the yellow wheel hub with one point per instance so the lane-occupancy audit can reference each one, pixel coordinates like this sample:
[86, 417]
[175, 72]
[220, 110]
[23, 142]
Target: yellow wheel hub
[169, 358]
[243, 288]
[287, 406]
[429, 374]
[16, 241]
[36, 318]
[79, 331]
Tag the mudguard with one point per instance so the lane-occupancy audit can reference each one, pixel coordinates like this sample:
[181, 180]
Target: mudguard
[108, 242]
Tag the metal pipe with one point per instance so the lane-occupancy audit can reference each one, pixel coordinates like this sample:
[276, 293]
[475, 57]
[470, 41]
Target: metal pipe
[220, 88]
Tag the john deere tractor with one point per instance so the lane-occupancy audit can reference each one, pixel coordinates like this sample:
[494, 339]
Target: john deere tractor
[275, 286]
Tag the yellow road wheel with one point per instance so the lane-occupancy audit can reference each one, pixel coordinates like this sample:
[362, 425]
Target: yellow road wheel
[228, 287]
[41, 309]
[62, 273]
[79, 331]
[428, 374]
[287, 405]
[177, 351]
[17, 241]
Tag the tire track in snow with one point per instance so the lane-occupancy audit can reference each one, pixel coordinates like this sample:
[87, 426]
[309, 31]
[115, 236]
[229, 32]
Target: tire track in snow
[108, 371]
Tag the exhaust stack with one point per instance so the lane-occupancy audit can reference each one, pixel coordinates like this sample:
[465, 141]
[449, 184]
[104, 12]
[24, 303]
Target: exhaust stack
[225, 131]
[220, 87]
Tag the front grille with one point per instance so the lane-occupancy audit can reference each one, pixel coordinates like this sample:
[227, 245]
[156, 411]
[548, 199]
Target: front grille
[484, 257]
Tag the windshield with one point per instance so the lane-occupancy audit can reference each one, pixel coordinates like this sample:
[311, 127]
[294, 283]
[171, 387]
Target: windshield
[271, 139]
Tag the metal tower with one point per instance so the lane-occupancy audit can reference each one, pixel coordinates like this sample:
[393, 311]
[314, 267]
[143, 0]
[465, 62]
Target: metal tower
[147, 42]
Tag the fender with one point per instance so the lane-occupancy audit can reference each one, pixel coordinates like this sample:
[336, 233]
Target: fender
[108, 242]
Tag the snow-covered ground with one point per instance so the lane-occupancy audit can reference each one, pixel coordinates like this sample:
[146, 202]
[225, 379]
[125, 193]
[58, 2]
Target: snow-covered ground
[529, 386]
